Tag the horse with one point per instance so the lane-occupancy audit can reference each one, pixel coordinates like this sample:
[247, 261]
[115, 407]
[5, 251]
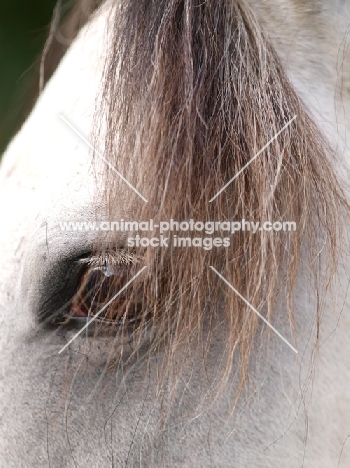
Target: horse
[154, 310]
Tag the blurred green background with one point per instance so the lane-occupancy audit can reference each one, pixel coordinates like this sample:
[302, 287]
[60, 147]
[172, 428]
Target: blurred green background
[24, 26]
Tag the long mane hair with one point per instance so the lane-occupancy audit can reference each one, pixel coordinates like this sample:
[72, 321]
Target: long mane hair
[191, 91]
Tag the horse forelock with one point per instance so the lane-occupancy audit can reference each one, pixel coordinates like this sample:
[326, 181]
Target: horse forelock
[192, 91]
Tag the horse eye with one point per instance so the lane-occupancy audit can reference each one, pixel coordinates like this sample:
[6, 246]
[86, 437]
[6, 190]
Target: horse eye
[98, 285]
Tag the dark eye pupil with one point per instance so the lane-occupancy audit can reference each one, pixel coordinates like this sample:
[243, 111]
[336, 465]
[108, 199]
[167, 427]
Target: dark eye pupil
[100, 287]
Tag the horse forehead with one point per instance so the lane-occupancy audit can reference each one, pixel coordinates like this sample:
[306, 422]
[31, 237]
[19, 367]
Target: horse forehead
[311, 38]
[47, 168]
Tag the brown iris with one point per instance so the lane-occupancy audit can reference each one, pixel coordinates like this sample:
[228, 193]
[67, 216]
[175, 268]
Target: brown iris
[99, 285]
